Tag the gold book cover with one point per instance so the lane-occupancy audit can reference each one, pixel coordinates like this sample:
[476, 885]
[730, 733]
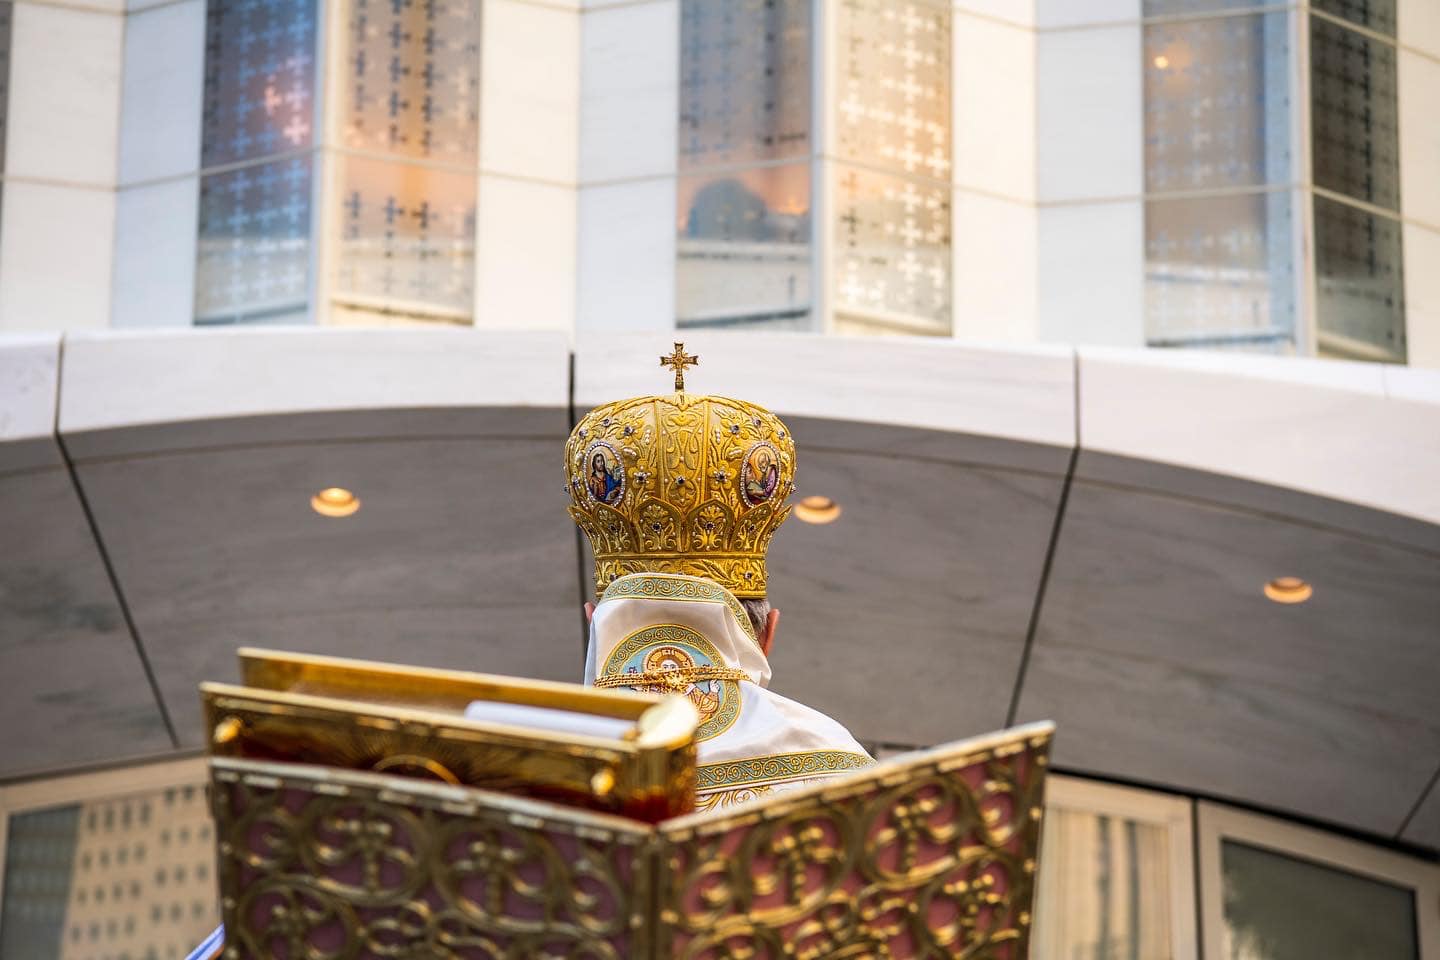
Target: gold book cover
[612, 751]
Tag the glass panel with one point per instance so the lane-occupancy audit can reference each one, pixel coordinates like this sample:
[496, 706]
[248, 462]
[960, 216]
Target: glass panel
[1352, 103]
[1378, 15]
[1163, 8]
[254, 252]
[407, 241]
[1219, 271]
[259, 79]
[892, 251]
[6, 19]
[1217, 103]
[1280, 908]
[412, 82]
[744, 81]
[126, 877]
[1359, 304]
[744, 248]
[893, 97]
[1104, 889]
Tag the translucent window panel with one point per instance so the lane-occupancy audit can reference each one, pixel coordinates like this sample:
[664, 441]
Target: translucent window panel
[1217, 103]
[126, 877]
[7, 13]
[1104, 889]
[744, 81]
[407, 241]
[892, 102]
[259, 79]
[1378, 15]
[253, 257]
[1281, 908]
[743, 246]
[1220, 271]
[892, 250]
[412, 78]
[1165, 8]
[1359, 303]
[1353, 114]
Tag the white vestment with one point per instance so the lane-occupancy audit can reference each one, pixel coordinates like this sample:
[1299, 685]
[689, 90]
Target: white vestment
[751, 741]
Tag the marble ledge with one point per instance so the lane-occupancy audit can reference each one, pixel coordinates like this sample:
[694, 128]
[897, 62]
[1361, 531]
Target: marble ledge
[29, 385]
[1357, 432]
[130, 378]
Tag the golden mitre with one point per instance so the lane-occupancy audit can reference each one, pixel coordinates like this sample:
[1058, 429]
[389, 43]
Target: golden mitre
[681, 484]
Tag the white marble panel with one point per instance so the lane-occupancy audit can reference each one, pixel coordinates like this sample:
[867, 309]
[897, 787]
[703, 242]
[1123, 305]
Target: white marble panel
[994, 107]
[155, 254]
[56, 246]
[1419, 22]
[995, 268]
[1074, 13]
[63, 116]
[530, 90]
[1091, 273]
[629, 91]
[1419, 79]
[1018, 393]
[525, 255]
[29, 381]
[164, 82]
[1325, 427]
[131, 377]
[1019, 12]
[1422, 295]
[626, 268]
[1090, 120]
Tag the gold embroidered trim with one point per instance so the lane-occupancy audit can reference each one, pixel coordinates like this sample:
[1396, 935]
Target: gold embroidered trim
[639, 586]
[779, 766]
[720, 799]
[676, 679]
[726, 711]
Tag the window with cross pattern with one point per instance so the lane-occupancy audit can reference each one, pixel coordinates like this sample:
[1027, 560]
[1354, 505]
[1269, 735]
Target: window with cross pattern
[890, 227]
[743, 228]
[395, 208]
[253, 255]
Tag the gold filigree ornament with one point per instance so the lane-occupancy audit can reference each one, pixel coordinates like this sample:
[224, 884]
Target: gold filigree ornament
[681, 484]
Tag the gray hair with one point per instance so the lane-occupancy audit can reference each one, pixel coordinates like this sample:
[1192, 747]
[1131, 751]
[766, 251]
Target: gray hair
[757, 609]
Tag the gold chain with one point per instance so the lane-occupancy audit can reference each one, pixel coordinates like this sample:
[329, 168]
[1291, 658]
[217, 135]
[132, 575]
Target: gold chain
[676, 679]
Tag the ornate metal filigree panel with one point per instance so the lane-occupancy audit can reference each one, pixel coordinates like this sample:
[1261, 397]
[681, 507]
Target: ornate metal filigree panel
[321, 866]
[935, 859]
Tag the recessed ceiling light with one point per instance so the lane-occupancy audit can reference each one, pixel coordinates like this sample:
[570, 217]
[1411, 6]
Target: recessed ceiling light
[817, 510]
[335, 502]
[1288, 590]
[1161, 62]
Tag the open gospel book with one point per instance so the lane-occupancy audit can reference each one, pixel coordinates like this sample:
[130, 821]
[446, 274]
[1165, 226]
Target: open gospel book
[577, 844]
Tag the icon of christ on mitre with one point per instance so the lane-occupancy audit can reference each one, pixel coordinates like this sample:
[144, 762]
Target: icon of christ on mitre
[680, 537]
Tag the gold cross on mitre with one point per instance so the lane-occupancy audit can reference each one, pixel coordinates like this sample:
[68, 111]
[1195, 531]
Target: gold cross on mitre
[678, 361]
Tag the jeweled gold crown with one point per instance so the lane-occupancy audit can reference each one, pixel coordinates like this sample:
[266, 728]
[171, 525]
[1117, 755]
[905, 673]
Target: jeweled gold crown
[681, 484]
